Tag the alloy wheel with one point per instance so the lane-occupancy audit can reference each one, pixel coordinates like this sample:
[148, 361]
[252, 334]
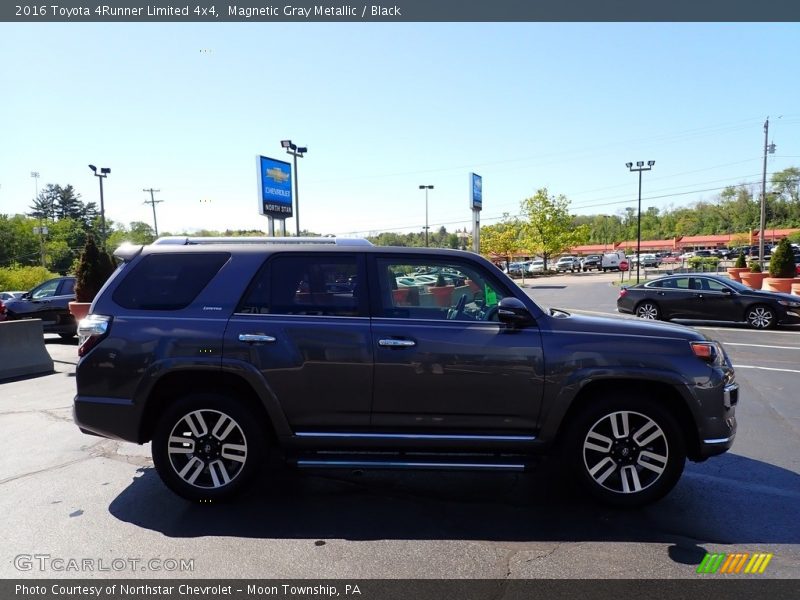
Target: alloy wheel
[760, 317]
[625, 452]
[207, 449]
[647, 311]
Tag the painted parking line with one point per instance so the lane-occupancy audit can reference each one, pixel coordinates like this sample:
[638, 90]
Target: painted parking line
[766, 368]
[761, 346]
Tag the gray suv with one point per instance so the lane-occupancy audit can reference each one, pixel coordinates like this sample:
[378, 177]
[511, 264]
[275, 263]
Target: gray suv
[333, 353]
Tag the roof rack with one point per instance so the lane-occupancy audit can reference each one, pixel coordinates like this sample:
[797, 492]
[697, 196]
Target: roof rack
[189, 241]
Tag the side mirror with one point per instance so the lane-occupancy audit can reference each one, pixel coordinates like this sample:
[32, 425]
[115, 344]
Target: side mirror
[26, 296]
[727, 291]
[513, 313]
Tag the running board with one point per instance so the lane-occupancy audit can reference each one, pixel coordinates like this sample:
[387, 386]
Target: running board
[415, 464]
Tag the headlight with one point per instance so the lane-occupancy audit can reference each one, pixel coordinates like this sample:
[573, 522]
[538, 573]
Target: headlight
[789, 303]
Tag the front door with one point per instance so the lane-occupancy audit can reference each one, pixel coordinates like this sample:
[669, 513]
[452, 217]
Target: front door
[443, 362]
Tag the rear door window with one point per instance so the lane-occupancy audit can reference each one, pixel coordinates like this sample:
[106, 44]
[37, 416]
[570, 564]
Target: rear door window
[168, 281]
[308, 284]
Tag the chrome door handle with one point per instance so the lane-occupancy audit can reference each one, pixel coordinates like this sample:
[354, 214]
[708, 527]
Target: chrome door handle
[397, 343]
[255, 337]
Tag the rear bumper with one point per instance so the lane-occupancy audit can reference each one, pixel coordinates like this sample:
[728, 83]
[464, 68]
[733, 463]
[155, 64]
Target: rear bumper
[115, 418]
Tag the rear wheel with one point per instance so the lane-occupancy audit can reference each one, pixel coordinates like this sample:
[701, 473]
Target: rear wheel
[207, 446]
[760, 317]
[626, 451]
[648, 310]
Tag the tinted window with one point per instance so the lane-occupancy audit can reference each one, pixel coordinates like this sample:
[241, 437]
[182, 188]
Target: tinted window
[46, 290]
[437, 289]
[68, 287]
[681, 283]
[168, 281]
[714, 285]
[306, 285]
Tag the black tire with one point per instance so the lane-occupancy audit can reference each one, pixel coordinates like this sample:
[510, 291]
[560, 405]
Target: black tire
[648, 310]
[615, 466]
[760, 316]
[197, 468]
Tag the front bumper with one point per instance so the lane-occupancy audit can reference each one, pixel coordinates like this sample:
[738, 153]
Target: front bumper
[720, 431]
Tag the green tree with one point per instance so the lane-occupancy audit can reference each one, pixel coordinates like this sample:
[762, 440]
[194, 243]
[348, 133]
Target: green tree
[501, 239]
[781, 263]
[547, 228]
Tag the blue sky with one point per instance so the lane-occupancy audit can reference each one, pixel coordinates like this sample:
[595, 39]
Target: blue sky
[383, 108]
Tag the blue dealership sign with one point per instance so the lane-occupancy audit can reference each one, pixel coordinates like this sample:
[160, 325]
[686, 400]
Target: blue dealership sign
[275, 187]
[476, 184]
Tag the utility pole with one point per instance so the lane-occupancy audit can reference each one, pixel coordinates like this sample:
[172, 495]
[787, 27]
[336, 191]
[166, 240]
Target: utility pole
[768, 148]
[41, 230]
[153, 203]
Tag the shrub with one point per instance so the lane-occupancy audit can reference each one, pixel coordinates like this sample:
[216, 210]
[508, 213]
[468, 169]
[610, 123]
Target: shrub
[14, 279]
[741, 263]
[703, 262]
[755, 267]
[781, 264]
[92, 272]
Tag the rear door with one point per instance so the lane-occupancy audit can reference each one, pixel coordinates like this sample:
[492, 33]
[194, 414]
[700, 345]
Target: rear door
[304, 324]
[674, 296]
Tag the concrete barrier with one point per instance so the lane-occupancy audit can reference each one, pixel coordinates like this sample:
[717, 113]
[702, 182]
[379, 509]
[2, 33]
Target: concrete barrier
[22, 349]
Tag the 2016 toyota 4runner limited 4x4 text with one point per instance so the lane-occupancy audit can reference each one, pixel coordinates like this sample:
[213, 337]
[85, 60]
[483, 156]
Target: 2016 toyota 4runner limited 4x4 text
[340, 354]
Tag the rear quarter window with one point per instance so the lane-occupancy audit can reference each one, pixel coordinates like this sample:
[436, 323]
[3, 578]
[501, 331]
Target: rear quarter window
[168, 281]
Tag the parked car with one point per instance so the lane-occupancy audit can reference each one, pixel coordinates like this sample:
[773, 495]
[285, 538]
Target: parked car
[591, 262]
[518, 269]
[611, 260]
[535, 266]
[647, 260]
[215, 353]
[568, 263]
[708, 298]
[48, 301]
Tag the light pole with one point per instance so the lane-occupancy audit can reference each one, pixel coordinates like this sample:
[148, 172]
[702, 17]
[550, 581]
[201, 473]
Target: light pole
[768, 148]
[639, 168]
[41, 230]
[426, 188]
[104, 171]
[295, 151]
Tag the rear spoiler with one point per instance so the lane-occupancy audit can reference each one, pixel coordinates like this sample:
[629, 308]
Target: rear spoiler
[127, 252]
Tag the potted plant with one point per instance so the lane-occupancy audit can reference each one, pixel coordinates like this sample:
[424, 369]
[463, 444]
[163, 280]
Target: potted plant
[442, 292]
[754, 277]
[399, 294]
[782, 269]
[740, 266]
[94, 268]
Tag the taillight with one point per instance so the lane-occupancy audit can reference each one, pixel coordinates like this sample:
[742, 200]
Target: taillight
[710, 352]
[623, 292]
[91, 330]
[2, 308]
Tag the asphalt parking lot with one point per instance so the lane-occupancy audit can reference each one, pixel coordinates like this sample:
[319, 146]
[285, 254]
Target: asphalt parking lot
[67, 495]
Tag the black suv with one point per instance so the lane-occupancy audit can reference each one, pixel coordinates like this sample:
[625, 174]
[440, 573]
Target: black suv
[340, 354]
[48, 301]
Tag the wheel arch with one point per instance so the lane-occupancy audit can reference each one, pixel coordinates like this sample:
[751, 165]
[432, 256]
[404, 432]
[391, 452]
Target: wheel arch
[180, 383]
[664, 393]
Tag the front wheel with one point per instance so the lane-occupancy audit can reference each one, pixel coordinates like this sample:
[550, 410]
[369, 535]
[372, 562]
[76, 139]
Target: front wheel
[760, 317]
[207, 446]
[627, 451]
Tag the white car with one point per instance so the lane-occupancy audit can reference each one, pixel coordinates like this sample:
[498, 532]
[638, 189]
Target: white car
[536, 266]
[568, 263]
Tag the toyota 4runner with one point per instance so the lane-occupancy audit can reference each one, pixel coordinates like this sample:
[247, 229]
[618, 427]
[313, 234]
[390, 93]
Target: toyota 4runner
[333, 353]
